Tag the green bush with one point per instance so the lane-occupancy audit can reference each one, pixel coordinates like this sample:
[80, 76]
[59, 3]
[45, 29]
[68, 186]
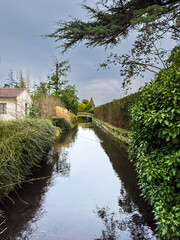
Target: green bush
[22, 144]
[32, 111]
[155, 143]
[91, 110]
[61, 123]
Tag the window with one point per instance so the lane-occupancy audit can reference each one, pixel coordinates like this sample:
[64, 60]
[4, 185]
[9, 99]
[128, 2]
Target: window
[3, 108]
[26, 108]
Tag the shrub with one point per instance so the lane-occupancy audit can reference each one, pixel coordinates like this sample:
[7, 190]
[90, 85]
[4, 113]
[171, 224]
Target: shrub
[61, 123]
[91, 110]
[22, 145]
[81, 107]
[64, 113]
[32, 111]
[155, 144]
[46, 105]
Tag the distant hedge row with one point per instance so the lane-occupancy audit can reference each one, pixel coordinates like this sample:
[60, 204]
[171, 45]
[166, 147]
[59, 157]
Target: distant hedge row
[117, 112]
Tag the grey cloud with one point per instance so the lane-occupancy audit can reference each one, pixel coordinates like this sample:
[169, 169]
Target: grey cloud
[21, 47]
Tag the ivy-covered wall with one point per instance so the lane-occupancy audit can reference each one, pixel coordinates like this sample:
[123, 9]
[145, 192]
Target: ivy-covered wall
[117, 112]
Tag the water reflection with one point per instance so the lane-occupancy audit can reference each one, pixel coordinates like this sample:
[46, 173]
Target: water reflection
[28, 204]
[90, 193]
[86, 125]
[60, 153]
[135, 215]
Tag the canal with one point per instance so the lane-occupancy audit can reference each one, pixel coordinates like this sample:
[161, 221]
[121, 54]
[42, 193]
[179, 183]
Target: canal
[88, 191]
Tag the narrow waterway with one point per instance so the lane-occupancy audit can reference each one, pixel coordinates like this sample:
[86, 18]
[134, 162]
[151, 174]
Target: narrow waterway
[90, 192]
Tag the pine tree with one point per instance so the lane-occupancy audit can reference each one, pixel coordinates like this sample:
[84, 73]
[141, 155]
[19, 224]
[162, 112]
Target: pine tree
[56, 77]
[22, 83]
[92, 102]
[112, 21]
[12, 82]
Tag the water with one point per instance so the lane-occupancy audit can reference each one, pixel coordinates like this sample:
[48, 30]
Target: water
[90, 192]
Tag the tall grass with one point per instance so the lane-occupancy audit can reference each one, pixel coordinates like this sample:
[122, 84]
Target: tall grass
[22, 145]
[64, 113]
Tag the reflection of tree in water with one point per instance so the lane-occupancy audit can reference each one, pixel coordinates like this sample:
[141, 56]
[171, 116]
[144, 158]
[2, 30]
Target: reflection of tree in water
[135, 216]
[62, 166]
[111, 224]
[20, 216]
[132, 225]
[60, 153]
[86, 125]
[28, 204]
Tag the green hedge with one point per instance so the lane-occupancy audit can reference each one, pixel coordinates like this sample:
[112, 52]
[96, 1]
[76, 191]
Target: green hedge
[61, 123]
[117, 112]
[155, 142]
[22, 145]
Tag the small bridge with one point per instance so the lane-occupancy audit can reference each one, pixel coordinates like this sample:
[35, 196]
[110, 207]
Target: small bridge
[85, 114]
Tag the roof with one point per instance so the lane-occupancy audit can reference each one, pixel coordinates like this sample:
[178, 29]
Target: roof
[10, 92]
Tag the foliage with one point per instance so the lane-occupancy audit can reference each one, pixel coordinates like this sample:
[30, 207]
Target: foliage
[64, 113]
[86, 106]
[85, 101]
[42, 88]
[61, 123]
[59, 86]
[70, 99]
[91, 110]
[46, 105]
[81, 107]
[32, 111]
[92, 102]
[12, 82]
[112, 21]
[56, 81]
[155, 144]
[22, 144]
[117, 112]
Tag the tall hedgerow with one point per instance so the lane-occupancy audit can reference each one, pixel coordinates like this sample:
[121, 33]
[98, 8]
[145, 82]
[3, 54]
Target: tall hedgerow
[22, 144]
[155, 146]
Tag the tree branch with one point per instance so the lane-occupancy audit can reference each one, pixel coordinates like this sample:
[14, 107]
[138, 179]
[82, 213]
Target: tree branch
[159, 55]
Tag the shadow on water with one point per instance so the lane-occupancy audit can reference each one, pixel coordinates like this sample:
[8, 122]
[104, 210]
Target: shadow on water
[26, 205]
[130, 202]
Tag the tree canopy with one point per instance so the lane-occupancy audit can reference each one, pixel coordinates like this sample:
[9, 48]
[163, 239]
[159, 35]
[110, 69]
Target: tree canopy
[111, 21]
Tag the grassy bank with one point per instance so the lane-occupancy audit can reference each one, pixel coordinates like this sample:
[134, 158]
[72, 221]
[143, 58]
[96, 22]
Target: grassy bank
[120, 134]
[22, 144]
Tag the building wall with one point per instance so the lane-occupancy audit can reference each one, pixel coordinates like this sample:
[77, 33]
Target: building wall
[10, 109]
[22, 100]
[16, 107]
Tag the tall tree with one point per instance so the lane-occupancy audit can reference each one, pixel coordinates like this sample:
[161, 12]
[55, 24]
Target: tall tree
[22, 83]
[42, 88]
[114, 20]
[92, 102]
[12, 82]
[56, 78]
[28, 80]
[70, 98]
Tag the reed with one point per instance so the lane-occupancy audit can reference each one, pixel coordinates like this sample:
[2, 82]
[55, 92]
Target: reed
[23, 143]
[64, 113]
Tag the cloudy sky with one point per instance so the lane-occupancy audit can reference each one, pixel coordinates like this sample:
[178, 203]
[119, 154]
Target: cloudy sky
[21, 47]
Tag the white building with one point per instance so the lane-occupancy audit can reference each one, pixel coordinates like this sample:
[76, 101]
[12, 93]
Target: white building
[14, 103]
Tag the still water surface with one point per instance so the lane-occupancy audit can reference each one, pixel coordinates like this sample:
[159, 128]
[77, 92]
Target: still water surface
[90, 193]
